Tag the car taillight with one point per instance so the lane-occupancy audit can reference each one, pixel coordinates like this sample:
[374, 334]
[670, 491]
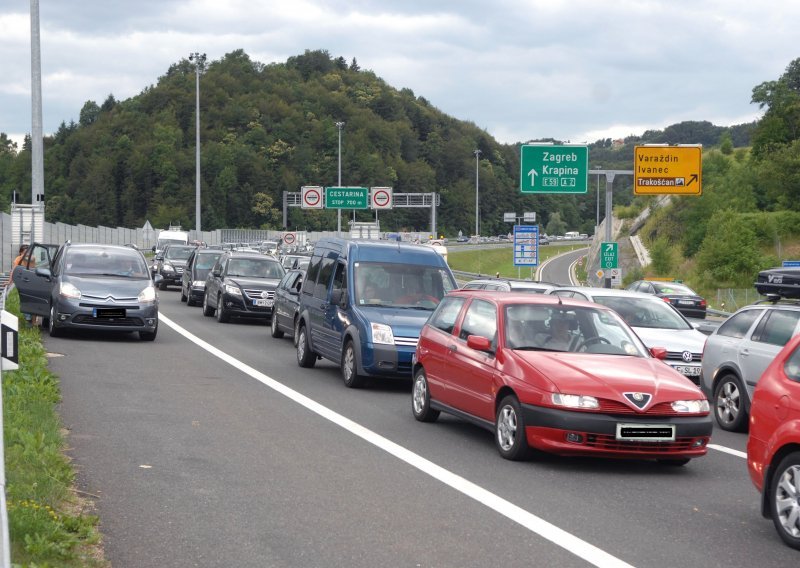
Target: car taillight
[667, 300]
[703, 303]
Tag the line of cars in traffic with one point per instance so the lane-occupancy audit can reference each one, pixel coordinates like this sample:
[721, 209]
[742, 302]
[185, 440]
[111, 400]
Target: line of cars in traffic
[567, 370]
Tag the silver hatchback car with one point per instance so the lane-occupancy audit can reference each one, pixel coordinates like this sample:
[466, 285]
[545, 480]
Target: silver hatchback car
[739, 351]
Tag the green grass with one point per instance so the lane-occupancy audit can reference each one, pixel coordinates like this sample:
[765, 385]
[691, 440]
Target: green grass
[48, 525]
[491, 261]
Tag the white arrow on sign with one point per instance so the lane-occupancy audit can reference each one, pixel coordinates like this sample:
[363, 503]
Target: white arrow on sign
[533, 173]
[609, 247]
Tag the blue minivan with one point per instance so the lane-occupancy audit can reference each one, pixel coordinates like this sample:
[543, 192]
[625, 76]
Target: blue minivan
[363, 304]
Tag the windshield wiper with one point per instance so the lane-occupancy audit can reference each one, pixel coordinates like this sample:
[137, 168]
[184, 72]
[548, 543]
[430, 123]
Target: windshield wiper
[533, 348]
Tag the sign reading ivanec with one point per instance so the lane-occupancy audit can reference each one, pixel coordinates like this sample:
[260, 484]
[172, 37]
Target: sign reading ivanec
[668, 169]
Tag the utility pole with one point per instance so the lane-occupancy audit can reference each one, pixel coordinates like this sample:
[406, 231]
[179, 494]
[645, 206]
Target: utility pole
[37, 147]
[199, 64]
[477, 202]
[339, 125]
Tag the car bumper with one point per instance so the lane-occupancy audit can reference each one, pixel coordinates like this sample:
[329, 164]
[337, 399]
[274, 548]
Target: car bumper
[697, 313]
[171, 278]
[241, 307]
[581, 433]
[387, 360]
[82, 315]
[196, 293]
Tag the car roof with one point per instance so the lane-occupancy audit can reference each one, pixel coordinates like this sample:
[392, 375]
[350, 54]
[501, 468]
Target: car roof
[247, 254]
[597, 291]
[507, 298]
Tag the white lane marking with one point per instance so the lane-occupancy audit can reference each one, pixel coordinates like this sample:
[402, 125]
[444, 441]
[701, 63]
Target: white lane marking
[730, 451]
[560, 537]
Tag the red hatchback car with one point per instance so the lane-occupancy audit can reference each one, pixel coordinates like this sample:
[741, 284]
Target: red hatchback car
[773, 448]
[555, 374]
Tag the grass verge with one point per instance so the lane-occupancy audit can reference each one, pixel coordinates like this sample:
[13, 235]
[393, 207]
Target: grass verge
[491, 261]
[48, 521]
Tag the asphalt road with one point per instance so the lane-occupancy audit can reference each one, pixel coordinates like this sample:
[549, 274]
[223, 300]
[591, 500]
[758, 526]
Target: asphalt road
[249, 460]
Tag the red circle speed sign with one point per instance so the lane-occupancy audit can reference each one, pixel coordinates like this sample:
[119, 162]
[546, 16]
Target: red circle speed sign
[381, 198]
[288, 238]
[312, 197]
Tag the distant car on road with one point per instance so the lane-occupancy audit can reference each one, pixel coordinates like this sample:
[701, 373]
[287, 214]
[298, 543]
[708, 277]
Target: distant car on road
[773, 447]
[686, 301]
[737, 353]
[193, 280]
[462, 239]
[89, 287]
[556, 375]
[170, 264]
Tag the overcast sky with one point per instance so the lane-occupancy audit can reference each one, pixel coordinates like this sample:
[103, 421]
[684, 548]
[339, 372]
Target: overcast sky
[576, 70]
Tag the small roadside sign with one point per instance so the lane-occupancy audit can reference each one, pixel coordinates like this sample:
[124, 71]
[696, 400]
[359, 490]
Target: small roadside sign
[526, 245]
[289, 238]
[609, 256]
[600, 274]
[791, 264]
[616, 276]
[9, 338]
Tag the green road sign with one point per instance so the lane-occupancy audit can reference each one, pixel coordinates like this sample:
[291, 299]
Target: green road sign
[553, 169]
[346, 197]
[609, 255]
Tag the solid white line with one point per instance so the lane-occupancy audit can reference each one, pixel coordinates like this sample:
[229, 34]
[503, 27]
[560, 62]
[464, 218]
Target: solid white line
[730, 451]
[560, 537]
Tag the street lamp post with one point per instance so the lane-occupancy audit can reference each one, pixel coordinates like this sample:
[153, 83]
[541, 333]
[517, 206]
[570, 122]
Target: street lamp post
[597, 217]
[477, 207]
[339, 125]
[199, 63]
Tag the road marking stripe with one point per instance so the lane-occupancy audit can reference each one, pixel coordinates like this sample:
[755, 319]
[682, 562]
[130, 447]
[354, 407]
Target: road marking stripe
[560, 537]
[730, 451]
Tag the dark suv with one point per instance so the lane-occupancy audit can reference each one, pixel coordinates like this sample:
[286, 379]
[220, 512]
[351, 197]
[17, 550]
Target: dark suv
[242, 284]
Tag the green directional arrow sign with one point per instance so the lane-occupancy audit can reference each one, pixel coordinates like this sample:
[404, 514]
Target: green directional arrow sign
[553, 169]
[346, 197]
[609, 255]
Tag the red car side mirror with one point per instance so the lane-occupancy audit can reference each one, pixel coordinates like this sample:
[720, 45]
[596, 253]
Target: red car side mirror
[479, 343]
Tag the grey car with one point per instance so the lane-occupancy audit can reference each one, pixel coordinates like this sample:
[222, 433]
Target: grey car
[89, 286]
[509, 285]
[739, 351]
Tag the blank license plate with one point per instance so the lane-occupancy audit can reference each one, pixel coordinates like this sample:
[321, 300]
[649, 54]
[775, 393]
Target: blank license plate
[686, 302]
[108, 313]
[263, 303]
[646, 432]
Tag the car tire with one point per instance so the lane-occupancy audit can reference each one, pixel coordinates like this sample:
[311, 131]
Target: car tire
[149, 335]
[350, 376]
[208, 311]
[52, 328]
[305, 357]
[421, 398]
[273, 324]
[222, 315]
[162, 285]
[509, 430]
[189, 300]
[183, 296]
[784, 487]
[729, 407]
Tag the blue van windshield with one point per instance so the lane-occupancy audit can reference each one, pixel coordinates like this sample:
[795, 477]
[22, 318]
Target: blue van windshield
[400, 285]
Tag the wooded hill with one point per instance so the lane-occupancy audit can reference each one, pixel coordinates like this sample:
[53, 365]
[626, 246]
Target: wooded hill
[266, 129]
